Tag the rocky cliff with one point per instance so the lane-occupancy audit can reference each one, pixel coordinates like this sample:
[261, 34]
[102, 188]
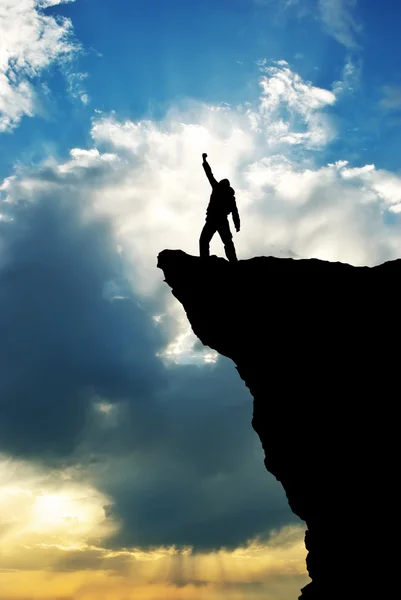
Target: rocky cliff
[317, 345]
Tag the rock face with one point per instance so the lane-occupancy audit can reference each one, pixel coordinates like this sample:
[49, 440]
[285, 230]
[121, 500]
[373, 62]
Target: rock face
[317, 345]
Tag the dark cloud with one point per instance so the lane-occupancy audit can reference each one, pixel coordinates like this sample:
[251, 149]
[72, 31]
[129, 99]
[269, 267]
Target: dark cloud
[203, 481]
[80, 382]
[63, 341]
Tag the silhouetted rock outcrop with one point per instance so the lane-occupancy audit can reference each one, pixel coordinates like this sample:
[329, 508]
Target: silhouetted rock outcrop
[317, 345]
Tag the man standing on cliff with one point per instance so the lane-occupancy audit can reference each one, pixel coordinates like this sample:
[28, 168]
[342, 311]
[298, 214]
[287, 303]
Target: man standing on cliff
[222, 203]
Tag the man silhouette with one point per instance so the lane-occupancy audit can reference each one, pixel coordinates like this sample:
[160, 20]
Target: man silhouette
[222, 203]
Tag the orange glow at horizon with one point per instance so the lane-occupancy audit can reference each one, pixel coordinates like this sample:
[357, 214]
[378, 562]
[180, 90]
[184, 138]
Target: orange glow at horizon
[53, 546]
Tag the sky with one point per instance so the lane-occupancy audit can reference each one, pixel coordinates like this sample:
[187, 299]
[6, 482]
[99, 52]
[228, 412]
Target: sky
[128, 464]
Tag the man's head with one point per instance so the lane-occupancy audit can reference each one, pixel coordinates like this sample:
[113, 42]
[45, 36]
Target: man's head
[225, 188]
[224, 183]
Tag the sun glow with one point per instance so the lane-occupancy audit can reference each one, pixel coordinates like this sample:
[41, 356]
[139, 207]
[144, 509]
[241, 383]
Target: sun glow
[57, 509]
[54, 532]
[48, 509]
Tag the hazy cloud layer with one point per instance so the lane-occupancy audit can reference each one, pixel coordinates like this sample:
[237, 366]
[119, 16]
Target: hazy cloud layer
[338, 19]
[391, 97]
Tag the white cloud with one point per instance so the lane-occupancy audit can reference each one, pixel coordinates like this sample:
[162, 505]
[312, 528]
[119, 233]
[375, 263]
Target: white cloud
[383, 186]
[30, 42]
[337, 16]
[47, 3]
[147, 178]
[351, 77]
[76, 86]
[304, 123]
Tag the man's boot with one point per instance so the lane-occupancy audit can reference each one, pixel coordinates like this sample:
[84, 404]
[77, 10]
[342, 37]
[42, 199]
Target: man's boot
[230, 252]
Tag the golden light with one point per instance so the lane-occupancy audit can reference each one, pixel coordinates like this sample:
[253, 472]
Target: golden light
[53, 538]
[58, 509]
[48, 508]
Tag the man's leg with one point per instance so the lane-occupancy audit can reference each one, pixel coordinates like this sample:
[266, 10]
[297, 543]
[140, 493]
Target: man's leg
[208, 232]
[227, 239]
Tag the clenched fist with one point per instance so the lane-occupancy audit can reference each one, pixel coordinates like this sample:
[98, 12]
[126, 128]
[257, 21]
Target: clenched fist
[204, 156]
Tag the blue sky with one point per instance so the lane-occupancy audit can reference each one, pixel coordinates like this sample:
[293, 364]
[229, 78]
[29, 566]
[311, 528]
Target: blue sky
[114, 417]
[141, 57]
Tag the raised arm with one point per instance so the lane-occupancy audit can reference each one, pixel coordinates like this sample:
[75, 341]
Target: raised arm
[208, 171]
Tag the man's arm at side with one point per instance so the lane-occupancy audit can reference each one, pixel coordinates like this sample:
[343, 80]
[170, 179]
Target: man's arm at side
[235, 216]
[208, 171]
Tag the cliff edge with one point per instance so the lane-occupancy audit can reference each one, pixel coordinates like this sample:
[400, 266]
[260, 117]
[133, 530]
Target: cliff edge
[317, 345]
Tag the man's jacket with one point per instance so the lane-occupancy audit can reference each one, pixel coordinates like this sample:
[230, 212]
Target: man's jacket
[222, 200]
